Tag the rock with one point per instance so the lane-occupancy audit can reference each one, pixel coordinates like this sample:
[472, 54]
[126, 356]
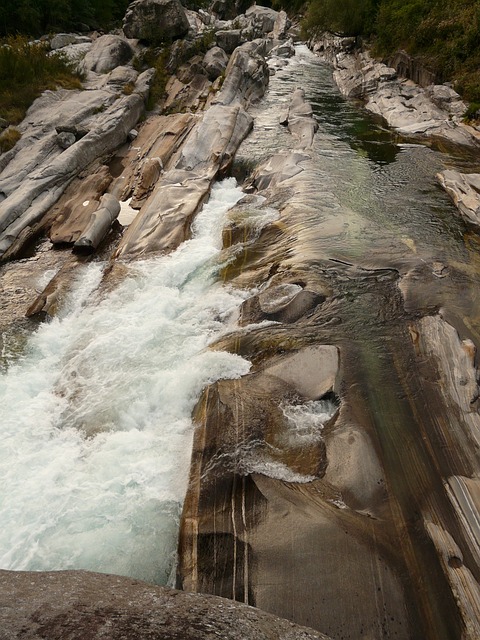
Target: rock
[246, 77]
[433, 113]
[281, 26]
[164, 222]
[76, 52]
[447, 99]
[39, 173]
[73, 211]
[464, 189]
[67, 604]
[61, 40]
[122, 76]
[99, 225]
[263, 18]
[65, 139]
[312, 371]
[230, 39]
[215, 62]
[274, 299]
[301, 122]
[155, 21]
[283, 50]
[411, 68]
[107, 52]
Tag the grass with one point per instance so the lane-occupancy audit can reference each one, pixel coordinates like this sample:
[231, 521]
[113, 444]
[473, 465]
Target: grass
[9, 138]
[27, 70]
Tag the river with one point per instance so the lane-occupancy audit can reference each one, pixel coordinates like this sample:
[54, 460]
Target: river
[96, 424]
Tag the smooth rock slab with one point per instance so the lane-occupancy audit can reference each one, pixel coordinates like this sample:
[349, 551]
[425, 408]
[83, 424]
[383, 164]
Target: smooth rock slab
[107, 53]
[75, 605]
[312, 371]
[464, 189]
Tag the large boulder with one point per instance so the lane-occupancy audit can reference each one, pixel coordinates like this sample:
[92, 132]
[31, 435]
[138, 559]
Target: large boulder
[107, 53]
[155, 20]
[77, 604]
[215, 62]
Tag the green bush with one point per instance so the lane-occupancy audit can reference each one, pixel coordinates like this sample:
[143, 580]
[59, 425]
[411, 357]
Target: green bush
[345, 17]
[9, 138]
[36, 17]
[26, 70]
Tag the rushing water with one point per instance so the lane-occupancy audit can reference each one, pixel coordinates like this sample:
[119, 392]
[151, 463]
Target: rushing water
[95, 417]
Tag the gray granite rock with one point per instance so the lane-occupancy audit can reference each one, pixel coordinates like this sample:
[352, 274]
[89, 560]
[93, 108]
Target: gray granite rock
[155, 20]
[107, 53]
[64, 605]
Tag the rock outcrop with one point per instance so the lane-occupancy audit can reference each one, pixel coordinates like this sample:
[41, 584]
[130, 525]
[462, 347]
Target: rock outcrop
[464, 189]
[77, 604]
[107, 53]
[432, 113]
[155, 20]
[164, 221]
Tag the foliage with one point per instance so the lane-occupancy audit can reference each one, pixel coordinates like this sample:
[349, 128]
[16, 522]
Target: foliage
[347, 17]
[9, 138]
[155, 58]
[36, 17]
[445, 34]
[26, 70]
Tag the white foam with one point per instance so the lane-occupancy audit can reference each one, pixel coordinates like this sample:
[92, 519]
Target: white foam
[95, 419]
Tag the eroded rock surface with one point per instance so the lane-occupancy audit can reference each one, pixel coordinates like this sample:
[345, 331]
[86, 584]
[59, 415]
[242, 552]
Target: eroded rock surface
[78, 604]
[464, 189]
[155, 20]
[434, 112]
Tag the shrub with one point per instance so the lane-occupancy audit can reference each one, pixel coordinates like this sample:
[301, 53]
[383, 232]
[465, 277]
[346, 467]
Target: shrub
[9, 138]
[26, 70]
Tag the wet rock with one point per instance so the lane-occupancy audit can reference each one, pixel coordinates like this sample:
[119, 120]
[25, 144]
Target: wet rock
[49, 301]
[107, 52]
[155, 20]
[276, 298]
[464, 189]
[300, 120]
[283, 50]
[215, 62]
[312, 371]
[65, 604]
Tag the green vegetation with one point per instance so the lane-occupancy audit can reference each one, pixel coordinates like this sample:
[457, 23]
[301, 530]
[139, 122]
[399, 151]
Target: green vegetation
[9, 138]
[36, 17]
[26, 70]
[444, 34]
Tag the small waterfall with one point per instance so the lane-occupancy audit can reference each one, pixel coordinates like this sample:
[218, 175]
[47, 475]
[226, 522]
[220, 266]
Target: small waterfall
[95, 420]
